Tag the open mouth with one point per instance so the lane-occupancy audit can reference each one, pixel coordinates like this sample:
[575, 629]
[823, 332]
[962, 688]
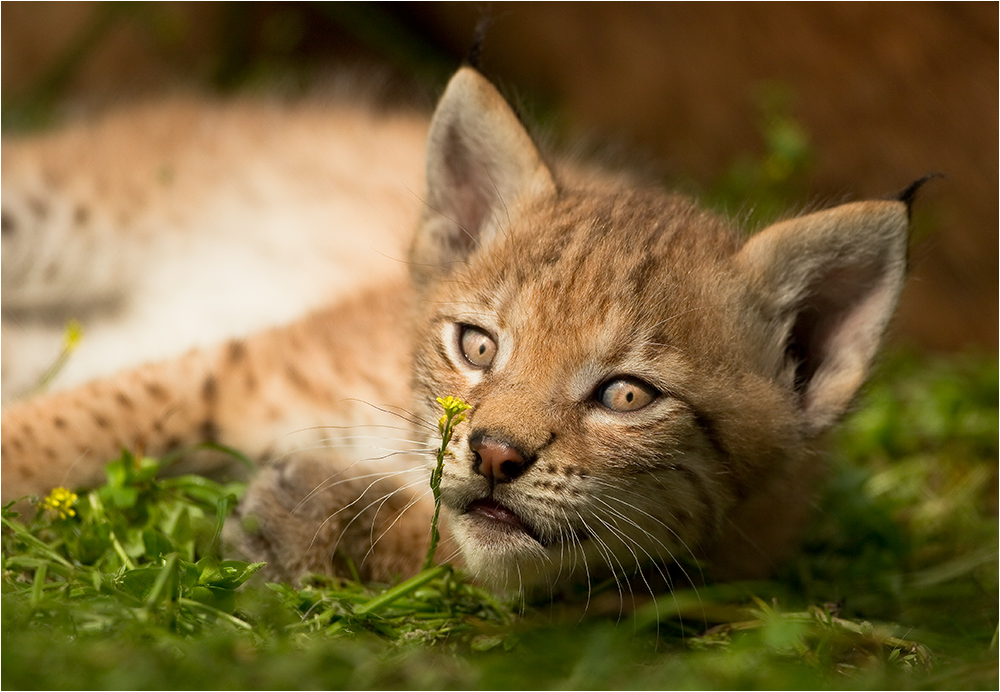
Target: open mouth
[499, 517]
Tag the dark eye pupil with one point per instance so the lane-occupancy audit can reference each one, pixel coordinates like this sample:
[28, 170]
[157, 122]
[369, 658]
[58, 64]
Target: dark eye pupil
[478, 347]
[626, 393]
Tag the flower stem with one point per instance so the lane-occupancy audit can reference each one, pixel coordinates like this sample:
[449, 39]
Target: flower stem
[454, 413]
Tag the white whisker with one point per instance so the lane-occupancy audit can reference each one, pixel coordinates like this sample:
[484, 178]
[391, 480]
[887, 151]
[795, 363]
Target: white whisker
[381, 500]
[399, 515]
[407, 416]
[609, 558]
[326, 485]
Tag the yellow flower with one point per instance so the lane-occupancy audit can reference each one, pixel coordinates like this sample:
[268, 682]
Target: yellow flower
[60, 501]
[454, 409]
[454, 413]
[72, 336]
[453, 406]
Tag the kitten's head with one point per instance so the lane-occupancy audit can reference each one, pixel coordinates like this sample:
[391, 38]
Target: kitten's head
[645, 385]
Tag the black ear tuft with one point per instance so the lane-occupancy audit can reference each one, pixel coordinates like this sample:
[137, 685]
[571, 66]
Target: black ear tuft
[474, 57]
[908, 195]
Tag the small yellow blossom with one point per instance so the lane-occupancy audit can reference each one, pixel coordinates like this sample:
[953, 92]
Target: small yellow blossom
[60, 501]
[72, 336]
[454, 409]
[453, 405]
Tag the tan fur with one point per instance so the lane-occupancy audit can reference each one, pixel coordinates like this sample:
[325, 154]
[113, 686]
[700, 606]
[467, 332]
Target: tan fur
[737, 356]
[174, 224]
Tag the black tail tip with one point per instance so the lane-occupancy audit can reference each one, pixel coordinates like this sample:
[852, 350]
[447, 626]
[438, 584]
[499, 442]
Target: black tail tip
[908, 195]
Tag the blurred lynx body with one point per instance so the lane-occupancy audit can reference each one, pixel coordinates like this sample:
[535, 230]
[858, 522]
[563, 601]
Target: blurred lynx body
[178, 223]
[648, 386]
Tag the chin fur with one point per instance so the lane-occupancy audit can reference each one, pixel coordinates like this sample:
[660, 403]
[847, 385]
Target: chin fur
[506, 560]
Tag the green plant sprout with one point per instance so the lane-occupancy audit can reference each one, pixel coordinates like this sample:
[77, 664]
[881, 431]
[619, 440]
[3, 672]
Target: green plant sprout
[136, 549]
[454, 413]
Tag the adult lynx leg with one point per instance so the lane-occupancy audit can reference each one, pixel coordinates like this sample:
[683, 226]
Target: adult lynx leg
[312, 513]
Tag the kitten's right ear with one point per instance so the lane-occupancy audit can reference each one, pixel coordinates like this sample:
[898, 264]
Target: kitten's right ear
[481, 165]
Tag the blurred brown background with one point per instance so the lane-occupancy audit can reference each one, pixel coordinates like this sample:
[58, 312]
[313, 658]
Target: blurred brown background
[883, 94]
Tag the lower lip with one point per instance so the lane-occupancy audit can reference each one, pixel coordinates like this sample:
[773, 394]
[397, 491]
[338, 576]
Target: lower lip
[496, 513]
[495, 517]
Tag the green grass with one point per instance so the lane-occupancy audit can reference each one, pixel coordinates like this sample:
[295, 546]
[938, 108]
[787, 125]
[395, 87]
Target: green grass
[896, 587]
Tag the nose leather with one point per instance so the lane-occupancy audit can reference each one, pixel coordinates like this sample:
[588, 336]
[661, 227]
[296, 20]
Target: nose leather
[496, 460]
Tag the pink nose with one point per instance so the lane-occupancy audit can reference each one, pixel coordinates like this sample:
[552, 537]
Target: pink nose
[498, 461]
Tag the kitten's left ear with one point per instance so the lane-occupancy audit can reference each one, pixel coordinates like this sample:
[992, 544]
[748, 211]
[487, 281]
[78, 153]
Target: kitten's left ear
[828, 284]
[481, 163]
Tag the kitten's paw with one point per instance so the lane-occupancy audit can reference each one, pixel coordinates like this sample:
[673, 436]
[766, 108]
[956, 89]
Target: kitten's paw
[307, 515]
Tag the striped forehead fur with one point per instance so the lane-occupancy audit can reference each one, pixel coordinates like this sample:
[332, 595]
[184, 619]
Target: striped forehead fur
[587, 253]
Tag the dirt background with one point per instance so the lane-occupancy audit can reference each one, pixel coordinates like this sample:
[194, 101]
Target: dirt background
[886, 93]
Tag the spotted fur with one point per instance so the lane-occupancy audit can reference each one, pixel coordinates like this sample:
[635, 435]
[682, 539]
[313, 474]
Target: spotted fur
[649, 388]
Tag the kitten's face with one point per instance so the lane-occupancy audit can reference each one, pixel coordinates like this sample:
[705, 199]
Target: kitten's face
[645, 387]
[597, 339]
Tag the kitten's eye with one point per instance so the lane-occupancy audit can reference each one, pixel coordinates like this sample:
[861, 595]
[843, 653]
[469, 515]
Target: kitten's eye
[626, 394]
[478, 347]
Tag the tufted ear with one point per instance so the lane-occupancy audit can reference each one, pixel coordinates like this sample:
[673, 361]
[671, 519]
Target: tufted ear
[828, 284]
[481, 164]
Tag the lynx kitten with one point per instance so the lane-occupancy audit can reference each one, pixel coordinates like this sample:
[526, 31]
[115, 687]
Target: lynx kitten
[648, 386]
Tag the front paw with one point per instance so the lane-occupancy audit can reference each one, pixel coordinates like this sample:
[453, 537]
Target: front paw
[308, 515]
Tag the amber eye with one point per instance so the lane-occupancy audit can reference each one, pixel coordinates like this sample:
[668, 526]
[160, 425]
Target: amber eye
[478, 347]
[626, 394]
